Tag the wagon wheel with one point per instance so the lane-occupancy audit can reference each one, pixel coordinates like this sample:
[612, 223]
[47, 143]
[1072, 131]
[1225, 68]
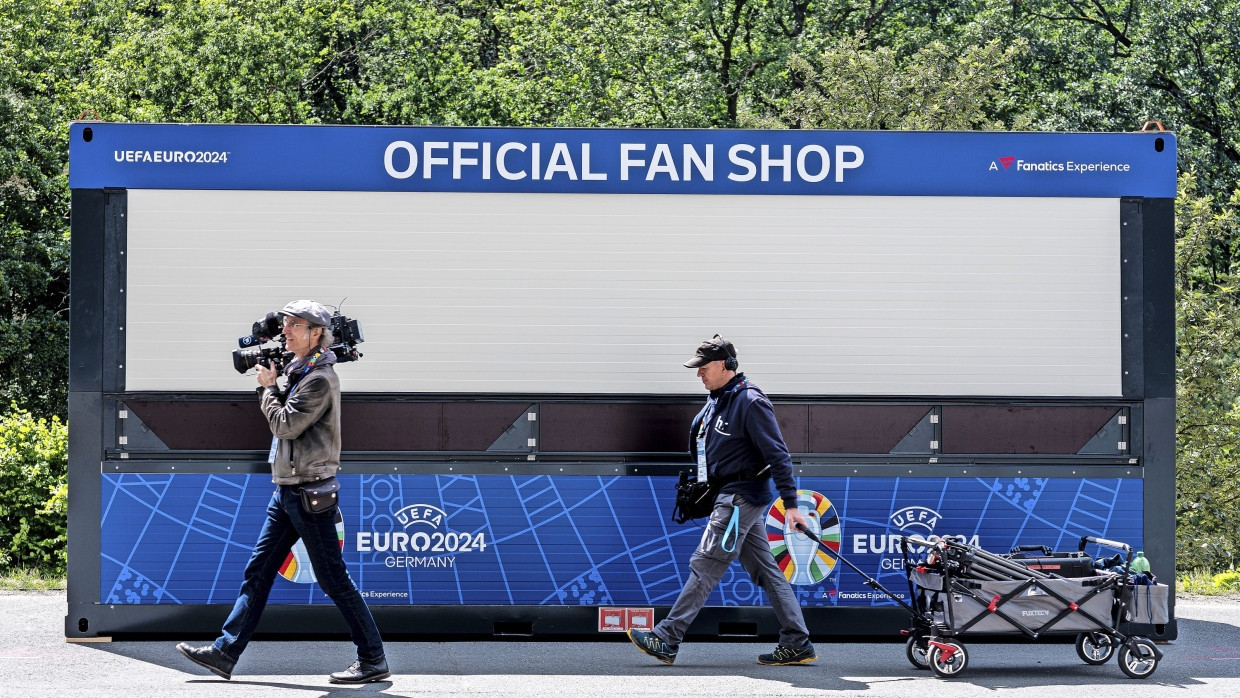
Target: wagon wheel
[1094, 648]
[1140, 664]
[916, 653]
[947, 658]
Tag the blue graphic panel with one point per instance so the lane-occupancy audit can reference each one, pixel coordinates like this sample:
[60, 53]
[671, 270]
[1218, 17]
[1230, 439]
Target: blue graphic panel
[620, 161]
[572, 540]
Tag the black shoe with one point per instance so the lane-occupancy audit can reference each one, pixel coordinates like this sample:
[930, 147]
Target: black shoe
[362, 672]
[789, 655]
[654, 646]
[209, 658]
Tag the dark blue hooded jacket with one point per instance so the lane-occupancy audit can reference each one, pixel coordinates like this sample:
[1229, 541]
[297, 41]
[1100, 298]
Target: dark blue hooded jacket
[742, 439]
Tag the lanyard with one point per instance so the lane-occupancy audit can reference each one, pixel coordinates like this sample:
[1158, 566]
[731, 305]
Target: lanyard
[707, 415]
[308, 368]
[711, 403]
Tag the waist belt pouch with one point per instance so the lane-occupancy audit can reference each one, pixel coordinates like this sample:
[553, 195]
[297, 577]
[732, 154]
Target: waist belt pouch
[318, 497]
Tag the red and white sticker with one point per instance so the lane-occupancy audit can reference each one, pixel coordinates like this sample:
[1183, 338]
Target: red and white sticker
[617, 620]
[612, 620]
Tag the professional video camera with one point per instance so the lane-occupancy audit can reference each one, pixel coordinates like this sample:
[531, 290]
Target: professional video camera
[346, 332]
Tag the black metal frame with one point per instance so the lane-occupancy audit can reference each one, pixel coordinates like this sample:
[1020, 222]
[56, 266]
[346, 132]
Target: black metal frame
[97, 398]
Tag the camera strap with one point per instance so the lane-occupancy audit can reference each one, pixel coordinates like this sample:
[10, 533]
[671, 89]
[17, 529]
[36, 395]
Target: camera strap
[293, 383]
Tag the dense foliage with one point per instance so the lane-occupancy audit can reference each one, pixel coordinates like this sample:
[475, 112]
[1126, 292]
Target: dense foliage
[32, 477]
[1065, 65]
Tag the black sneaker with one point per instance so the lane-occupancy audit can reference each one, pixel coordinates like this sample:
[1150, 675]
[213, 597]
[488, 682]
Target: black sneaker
[654, 646]
[209, 658]
[362, 672]
[789, 655]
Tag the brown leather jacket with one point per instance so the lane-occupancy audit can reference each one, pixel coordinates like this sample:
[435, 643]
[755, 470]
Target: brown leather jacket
[307, 424]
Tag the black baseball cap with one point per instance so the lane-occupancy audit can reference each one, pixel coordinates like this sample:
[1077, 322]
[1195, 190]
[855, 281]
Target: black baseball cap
[715, 349]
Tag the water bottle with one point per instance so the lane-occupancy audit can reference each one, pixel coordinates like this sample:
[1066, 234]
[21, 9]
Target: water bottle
[1140, 565]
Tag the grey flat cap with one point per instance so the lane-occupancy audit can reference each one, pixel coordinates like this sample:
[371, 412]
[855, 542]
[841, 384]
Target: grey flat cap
[312, 312]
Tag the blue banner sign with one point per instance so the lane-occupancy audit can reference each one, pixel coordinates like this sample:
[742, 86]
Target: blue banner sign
[573, 540]
[620, 161]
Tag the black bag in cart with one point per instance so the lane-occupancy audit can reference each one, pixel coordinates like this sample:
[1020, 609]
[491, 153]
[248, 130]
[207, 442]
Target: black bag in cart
[1043, 559]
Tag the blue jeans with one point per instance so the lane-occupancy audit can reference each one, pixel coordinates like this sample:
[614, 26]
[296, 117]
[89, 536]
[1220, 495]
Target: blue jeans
[286, 523]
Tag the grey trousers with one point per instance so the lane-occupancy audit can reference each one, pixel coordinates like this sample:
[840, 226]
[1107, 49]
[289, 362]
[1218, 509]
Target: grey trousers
[710, 561]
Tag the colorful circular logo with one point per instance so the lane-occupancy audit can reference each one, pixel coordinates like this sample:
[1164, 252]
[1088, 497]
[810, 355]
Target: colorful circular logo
[802, 560]
[297, 567]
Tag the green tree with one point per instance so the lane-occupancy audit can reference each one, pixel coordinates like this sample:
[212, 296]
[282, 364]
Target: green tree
[1207, 382]
[32, 477]
[851, 86]
[255, 61]
[41, 56]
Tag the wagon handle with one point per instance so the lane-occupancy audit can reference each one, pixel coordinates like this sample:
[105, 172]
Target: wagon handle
[869, 581]
[1104, 542]
[923, 542]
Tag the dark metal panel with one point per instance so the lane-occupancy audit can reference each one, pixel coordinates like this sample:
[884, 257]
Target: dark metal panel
[998, 429]
[85, 437]
[401, 426]
[232, 425]
[397, 623]
[85, 291]
[113, 289]
[1158, 307]
[861, 428]
[474, 426]
[1160, 517]
[224, 425]
[85, 448]
[1132, 328]
[845, 466]
[794, 424]
[631, 428]
[393, 430]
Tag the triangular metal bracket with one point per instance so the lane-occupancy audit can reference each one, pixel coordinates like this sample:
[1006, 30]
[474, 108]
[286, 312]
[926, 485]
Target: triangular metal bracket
[133, 435]
[1112, 438]
[923, 438]
[522, 435]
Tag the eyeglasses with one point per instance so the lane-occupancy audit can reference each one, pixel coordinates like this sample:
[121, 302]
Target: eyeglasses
[294, 324]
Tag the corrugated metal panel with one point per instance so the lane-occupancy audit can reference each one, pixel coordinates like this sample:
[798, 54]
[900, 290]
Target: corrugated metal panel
[611, 293]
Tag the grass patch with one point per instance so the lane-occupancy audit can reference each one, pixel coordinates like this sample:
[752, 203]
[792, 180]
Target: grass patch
[22, 579]
[1209, 583]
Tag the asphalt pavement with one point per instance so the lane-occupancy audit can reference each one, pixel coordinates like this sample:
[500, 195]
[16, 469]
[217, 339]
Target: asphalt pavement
[37, 661]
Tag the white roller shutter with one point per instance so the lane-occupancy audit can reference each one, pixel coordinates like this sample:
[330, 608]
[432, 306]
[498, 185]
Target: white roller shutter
[572, 293]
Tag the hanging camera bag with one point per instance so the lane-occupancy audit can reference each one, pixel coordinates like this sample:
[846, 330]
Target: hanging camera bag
[694, 500]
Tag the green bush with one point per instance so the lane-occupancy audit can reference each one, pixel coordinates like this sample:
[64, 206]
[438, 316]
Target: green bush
[33, 491]
[1227, 580]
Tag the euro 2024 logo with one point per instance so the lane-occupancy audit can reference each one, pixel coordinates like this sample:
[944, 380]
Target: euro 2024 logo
[802, 560]
[297, 567]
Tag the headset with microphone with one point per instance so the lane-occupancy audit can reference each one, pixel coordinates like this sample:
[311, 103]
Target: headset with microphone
[730, 363]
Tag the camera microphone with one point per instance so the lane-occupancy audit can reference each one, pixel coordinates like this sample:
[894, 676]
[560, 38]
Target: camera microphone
[264, 330]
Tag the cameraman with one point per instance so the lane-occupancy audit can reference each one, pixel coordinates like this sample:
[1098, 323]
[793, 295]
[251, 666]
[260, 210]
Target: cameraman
[305, 422]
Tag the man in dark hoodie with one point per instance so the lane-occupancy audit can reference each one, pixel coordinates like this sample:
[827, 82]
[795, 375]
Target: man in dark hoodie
[736, 442]
[305, 449]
